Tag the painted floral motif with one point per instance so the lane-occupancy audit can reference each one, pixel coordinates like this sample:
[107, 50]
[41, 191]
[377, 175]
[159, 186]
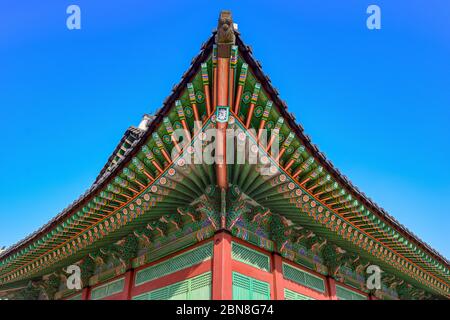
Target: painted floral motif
[246, 97]
[188, 112]
[259, 111]
[199, 97]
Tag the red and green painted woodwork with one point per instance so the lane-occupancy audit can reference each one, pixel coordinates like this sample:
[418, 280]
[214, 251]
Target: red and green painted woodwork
[192, 273]
[126, 185]
[108, 283]
[162, 201]
[369, 232]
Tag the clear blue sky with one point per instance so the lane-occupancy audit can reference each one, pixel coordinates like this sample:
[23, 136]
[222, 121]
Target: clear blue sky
[376, 102]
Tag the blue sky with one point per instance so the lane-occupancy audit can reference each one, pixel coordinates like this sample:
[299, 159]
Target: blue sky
[376, 102]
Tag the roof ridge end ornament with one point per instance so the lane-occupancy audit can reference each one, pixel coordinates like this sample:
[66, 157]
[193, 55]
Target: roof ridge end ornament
[147, 119]
[225, 36]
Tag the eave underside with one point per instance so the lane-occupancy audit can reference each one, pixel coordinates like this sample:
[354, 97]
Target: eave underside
[160, 188]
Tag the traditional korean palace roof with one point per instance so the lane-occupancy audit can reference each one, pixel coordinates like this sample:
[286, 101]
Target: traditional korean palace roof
[306, 204]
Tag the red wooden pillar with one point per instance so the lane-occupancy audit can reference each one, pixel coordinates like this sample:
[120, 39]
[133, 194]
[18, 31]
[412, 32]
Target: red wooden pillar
[278, 279]
[221, 139]
[331, 286]
[129, 278]
[85, 293]
[221, 268]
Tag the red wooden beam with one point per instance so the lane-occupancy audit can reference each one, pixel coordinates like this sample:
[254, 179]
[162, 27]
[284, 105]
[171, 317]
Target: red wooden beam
[278, 279]
[252, 272]
[221, 267]
[85, 293]
[171, 278]
[129, 281]
[351, 289]
[222, 100]
[309, 292]
[331, 288]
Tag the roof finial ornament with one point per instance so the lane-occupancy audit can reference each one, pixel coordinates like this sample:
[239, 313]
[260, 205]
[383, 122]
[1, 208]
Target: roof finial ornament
[145, 122]
[225, 37]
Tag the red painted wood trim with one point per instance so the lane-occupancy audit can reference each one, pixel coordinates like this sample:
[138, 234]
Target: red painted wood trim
[223, 65]
[129, 281]
[174, 254]
[278, 279]
[248, 270]
[331, 286]
[171, 278]
[298, 266]
[117, 296]
[107, 281]
[74, 294]
[293, 286]
[123, 295]
[251, 246]
[129, 288]
[351, 288]
[221, 267]
[253, 272]
[86, 293]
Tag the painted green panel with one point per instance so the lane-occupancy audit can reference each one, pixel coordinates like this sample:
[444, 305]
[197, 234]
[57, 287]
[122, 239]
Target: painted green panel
[99, 293]
[108, 289]
[75, 297]
[247, 288]
[116, 287]
[346, 294]
[241, 287]
[179, 291]
[260, 290]
[304, 278]
[141, 297]
[200, 287]
[197, 288]
[250, 257]
[180, 262]
[292, 295]
[160, 294]
[315, 282]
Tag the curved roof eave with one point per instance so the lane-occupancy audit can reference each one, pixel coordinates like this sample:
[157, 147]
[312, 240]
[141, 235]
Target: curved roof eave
[245, 50]
[105, 176]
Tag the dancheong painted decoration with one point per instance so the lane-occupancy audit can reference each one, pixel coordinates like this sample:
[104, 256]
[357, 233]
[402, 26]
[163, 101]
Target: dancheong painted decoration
[269, 218]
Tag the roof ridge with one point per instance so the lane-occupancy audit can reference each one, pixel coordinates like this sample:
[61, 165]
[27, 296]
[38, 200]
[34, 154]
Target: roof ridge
[205, 50]
[247, 52]
[382, 213]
